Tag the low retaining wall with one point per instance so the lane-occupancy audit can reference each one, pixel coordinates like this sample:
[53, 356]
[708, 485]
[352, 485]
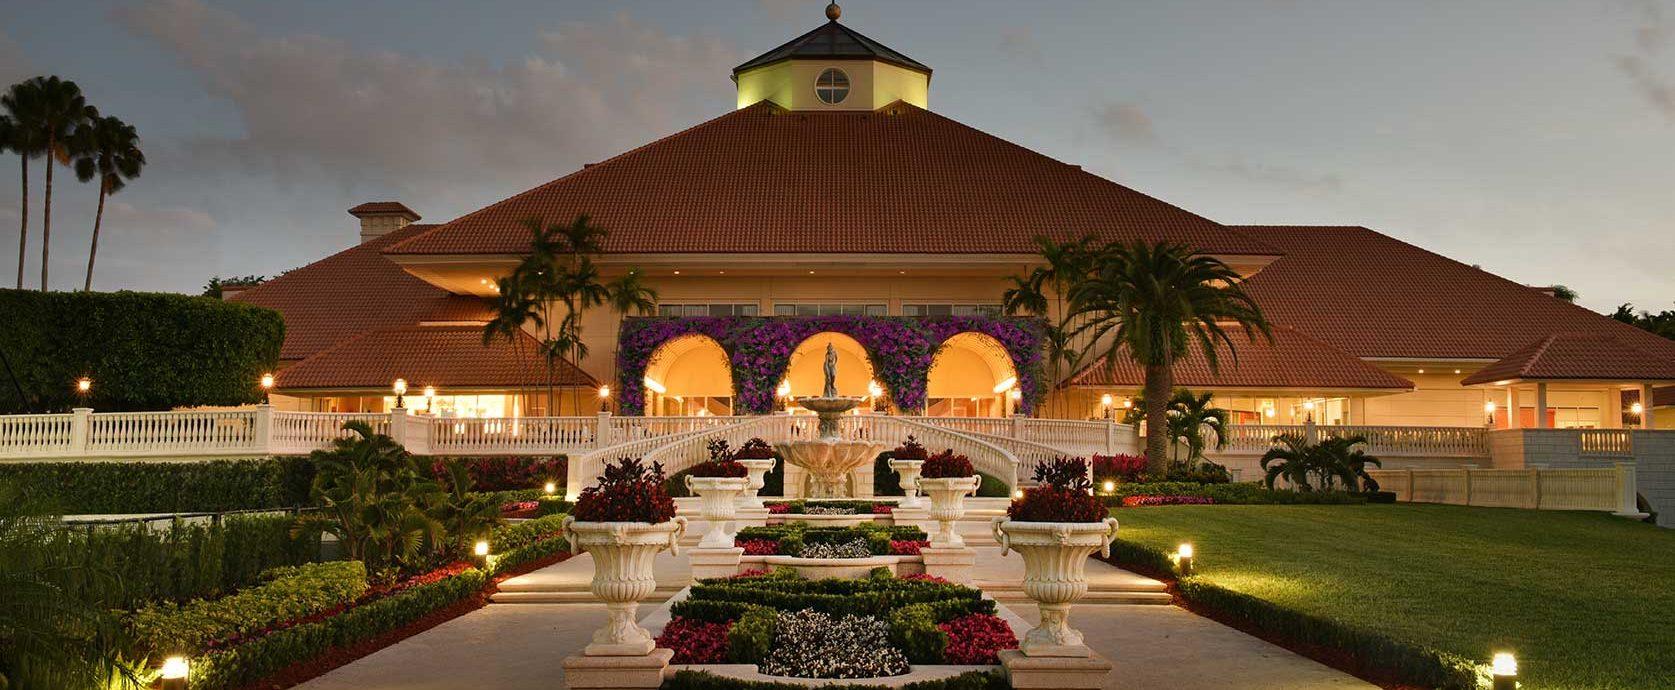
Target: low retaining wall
[1605, 489]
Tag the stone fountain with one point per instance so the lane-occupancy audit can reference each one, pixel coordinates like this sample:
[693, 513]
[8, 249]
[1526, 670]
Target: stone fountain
[830, 460]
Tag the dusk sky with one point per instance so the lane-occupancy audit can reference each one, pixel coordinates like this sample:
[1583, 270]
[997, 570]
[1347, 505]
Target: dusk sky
[1536, 139]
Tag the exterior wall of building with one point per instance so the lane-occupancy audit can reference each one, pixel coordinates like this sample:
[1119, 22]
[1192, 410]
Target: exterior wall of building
[1437, 400]
[872, 85]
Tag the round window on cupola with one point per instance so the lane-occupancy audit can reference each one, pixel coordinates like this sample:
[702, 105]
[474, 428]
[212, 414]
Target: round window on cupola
[832, 86]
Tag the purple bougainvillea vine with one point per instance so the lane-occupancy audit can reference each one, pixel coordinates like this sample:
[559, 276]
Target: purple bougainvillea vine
[900, 349]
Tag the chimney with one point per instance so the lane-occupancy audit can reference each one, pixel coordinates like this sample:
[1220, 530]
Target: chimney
[380, 218]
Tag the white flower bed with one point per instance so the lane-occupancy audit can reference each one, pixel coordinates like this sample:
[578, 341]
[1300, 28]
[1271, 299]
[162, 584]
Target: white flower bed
[822, 510]
[810, 644]
[856, 548]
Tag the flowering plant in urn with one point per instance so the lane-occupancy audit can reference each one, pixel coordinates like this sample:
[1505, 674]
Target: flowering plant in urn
[947, 478]
[907, 460]
[718, 483]
[623, 521]
[1055, 526]
[759, 459]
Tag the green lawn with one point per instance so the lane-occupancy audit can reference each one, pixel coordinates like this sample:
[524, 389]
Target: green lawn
[1585, 600]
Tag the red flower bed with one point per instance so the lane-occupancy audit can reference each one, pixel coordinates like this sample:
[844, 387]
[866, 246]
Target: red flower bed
[759, 547]
[907, 547]
[974, 639]
[755, 449]
[696, 642]
[926, 577]
[519, 509]
[778, 508]
[882, 509]
[909, 450]
[1121, 468]
[754, 572]
[1136, 501]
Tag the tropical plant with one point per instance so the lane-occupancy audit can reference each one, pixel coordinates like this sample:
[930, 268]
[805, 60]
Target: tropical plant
[947, 464]
[1310, 466]
[50, 638]
[19, 135]
[629, 491]
[465, 515]
[108, 149]
[50, 111]
[1067, 264]
[1662, 323]
[374, 497]
[629, 293]
[1194, 424]
[1154, 303]
[216, 284]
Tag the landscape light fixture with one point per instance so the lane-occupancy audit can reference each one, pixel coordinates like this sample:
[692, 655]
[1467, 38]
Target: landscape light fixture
[84, 385]
[550, 488]
[604, 392]
[1018, 493]
[1105, 401]
[267, 385]
[1489, 411]
[481, 549]
[430, 398]
[174, 673]
[400, 390]
[1503, 671]
[1110, 486]
[1183, 559]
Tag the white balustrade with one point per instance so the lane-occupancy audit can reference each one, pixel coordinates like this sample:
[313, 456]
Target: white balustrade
[988, 458]
[28, 435]
[515, 435]
[1607, 442]
[1067, 436]
[624, 429]
[162, 433]
[304, 432]
[1382, 441]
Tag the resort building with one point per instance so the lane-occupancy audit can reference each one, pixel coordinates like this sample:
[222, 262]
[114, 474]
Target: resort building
[834, 196]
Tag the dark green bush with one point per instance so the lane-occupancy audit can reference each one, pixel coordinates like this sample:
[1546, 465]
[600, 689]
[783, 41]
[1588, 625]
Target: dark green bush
[885, 481]
[187, 561]
[913, 630]
[749, 640]
[992, 487]
[291, 592]
[792, 536]
[242, 666]
[144, 351]
[1243, 493]
[519, 543]
[97, 488]
[703, 680]
[726, 599]
[552, 505]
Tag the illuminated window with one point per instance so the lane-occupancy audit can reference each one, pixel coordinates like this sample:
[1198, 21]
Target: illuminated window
[744, 309]
[783, 309]
[832, 86]
[950, 310]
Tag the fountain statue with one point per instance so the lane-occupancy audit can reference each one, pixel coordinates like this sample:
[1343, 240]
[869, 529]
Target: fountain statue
[829, 459]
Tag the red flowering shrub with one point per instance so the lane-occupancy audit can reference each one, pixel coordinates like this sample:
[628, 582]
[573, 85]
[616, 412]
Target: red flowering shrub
[907, 547]
[926, 577]
[778, 508]
[507, 473]
[974, 639]
[628, 492]
[696, 642]
[882, 509]
[519, 509]
[1134, 501]
[754, 572]
[1048, 503]
[758, 547]
[755, 449]
[946, 464]
[1118, 468]
[909, 450]
[723, 468]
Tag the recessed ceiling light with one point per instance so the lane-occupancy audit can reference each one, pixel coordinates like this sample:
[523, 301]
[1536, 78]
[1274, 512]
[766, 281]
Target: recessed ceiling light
[1456, 371]
[677, 273]
[722, 272]
[1421, 371]
[811, 272]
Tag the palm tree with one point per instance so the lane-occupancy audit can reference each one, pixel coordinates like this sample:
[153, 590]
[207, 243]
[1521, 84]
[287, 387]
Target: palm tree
[1330, 461]
[1293, 458]
[1190, 415]
[58, 110]
[373, 496]
[110, 151]
[629, 293]
[1068, 263]
[18, 134]
[1154, 302]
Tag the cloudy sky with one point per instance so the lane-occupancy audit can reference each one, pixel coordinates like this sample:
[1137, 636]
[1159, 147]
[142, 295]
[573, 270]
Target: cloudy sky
[1534, 138]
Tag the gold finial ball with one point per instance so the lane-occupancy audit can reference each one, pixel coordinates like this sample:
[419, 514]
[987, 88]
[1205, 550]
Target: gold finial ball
[833, 11]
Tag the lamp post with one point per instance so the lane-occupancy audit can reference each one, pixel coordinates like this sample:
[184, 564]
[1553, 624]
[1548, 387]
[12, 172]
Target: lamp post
[84, 386]
[430, 399]
[604, 397]
[1308, 411]
[1638, 411]
[1105, 401]
[267, 386]
[1489, 414]
[400, 389]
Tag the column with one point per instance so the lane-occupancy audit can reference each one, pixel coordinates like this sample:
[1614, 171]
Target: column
[1613, 407]
[1646, 403]
[1514, 414]
[1541, 405]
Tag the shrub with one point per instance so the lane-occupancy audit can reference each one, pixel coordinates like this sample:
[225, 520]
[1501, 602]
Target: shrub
[909, 450]
[719, 468]
[696, 642]
[508, 473]
[291, 592]
[702, 680]
[755, 449]
[913, 629]
[947, 464]
[749, 640]
[1062, 494]
[791, 538]
[375, 497]
[123, 488]
[1118, 468]
[723, 599]
[185, 561]
[628, 492]
[993, 487]
[974, 639]
[1070, 474]
[131, 345]
[552, 505]
[1244, 493]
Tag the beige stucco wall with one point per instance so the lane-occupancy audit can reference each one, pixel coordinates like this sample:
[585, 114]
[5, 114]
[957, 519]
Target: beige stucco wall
[872, 85]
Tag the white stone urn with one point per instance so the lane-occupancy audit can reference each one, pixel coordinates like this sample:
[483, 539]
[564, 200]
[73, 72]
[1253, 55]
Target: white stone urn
[1055, 575]
[948, 506]
[623, 553]
[759, 469]
[909, 471]
[717, 507]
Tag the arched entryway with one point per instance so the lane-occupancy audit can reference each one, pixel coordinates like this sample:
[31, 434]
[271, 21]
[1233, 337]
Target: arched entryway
[689, 375]
[972, 376]
[806, 374]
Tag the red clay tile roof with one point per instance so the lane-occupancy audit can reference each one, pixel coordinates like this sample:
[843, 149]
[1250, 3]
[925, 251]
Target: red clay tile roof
[1576, 356]
[1293, 360]
[448, 357]
[1372, 295]
[763, 180]
[349, 292]
[383, 208]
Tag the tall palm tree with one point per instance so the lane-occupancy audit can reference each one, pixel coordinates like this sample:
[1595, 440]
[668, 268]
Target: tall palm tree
[19, 135]
[1154, 303]
[59, 109]
[109, 149]
[1190, 416]
[1067, 263]
[629, 293]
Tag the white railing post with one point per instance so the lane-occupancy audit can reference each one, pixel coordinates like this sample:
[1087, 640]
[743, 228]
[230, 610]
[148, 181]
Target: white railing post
[1627, 492]
[263, 436]
[416, 429]
[398, 425]
[79, 427]
[1017, 426]
[1110, 437]
[602, 430]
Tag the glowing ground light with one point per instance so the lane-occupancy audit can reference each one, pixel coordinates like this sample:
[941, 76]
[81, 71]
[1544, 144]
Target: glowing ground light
[1503, 670]
[482, 548]
[550, 488]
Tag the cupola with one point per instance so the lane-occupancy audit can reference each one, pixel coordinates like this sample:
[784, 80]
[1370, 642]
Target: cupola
[833, 67]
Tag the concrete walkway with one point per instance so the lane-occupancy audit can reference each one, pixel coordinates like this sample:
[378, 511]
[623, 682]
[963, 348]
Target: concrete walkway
[524, 644]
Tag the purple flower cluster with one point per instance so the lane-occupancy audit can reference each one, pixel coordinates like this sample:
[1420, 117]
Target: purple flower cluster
[901, 350]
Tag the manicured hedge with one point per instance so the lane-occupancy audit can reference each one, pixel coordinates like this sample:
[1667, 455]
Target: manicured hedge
[702, 680]
[519, 543]
[188, 561]
[99, 488]
[727, 599]
[792, 536]
[290, 593]
[243, 665]
[144, 351]
[1243, 493]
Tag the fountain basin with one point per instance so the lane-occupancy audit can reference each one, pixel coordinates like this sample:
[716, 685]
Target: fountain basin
[830, 465]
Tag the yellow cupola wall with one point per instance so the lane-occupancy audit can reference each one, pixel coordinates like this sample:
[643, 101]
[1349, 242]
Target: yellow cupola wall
[833, 67]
